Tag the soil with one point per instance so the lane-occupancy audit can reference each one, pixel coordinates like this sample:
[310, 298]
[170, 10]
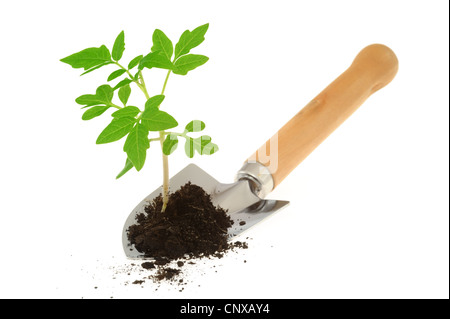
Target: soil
[191, 227]
[148, 265]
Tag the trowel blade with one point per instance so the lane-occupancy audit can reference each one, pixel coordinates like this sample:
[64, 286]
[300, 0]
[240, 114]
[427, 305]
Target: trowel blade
[242, 205]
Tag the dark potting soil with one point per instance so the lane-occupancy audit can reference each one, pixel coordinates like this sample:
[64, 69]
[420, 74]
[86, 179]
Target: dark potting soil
[191, 225]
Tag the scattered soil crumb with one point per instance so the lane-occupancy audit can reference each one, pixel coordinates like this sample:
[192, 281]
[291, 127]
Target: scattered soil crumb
[148, 265]
[239, 244]
[166, 273]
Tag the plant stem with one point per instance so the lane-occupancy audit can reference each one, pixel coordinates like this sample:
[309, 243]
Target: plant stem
[141, 77]
[143, 88]
[177, 134]
[165, 158]
[140, 85]
[165, 82]
[115, 106]
[162, 134]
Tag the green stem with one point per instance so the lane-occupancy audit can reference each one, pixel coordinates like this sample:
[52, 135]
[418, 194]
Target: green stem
[176, 134]
[140, 85]
[116, 106]
[165, 159]
[144, 88]
[165, 82]
[126, 70]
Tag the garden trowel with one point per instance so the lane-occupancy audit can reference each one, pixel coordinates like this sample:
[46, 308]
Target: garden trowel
[373, 68]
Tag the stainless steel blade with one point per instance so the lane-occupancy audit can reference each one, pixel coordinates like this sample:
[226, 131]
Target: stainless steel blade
[244, 207]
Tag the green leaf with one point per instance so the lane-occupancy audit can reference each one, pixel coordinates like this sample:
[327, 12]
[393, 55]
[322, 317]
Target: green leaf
[210, 149]
[154, 102]
[202, 145]
[162, 43]
[135, 62]
[88, 58]
[129, 111]
[136, 145]
[95, 68]
[122, 83]
[116, 74]
[156, 120]
[88, 100]
[195, 126]
[189, 147]
[201, 142]
[188, 63]
[128, 166]
[124, 94]
[156, 60]
[118, 128]
[94, 112]
[103, 95]
[170, 144]
[190, 40]
[119, 46]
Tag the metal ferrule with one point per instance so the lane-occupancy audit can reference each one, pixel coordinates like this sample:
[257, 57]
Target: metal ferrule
[259, 176]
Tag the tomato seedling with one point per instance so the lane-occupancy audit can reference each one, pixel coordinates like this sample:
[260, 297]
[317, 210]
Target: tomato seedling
[136, 123]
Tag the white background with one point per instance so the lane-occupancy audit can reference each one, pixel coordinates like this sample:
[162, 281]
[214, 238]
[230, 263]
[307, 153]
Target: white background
[369, 208]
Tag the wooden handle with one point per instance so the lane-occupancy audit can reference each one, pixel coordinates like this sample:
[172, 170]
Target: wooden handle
[373, 68]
